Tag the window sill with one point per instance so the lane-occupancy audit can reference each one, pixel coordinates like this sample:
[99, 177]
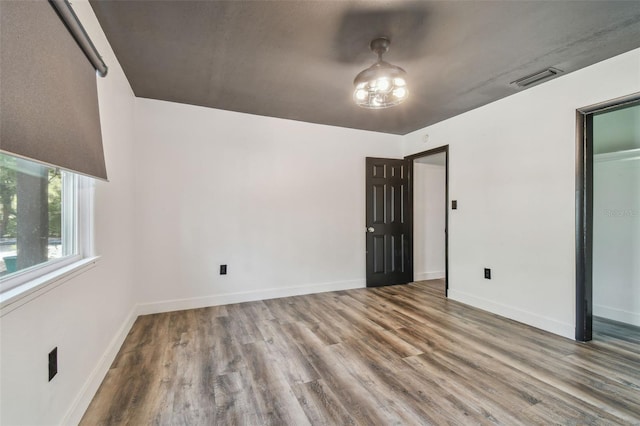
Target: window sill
[18, 296]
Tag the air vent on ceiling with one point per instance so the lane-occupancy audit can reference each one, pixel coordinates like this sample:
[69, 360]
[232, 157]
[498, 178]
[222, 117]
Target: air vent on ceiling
[536, 77]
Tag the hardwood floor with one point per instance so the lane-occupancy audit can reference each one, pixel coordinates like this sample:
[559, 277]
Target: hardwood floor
[390, 355]
[616, 333]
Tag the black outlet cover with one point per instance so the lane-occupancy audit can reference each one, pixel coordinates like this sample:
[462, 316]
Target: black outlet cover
[53, 363]
[223, 269]
[487, 273]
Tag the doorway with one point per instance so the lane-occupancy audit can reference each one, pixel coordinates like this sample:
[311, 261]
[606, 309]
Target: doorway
[390, 214]
[429, 199]
[608, 216]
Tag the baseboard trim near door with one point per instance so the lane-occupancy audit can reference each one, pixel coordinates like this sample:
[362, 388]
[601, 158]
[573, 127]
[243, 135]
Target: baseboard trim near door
[614, 314]
[433, 275]
[245, 296]
[93, 382]
[529, 318]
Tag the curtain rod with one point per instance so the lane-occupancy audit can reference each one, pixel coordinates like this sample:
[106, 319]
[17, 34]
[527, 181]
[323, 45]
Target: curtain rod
[69, 17]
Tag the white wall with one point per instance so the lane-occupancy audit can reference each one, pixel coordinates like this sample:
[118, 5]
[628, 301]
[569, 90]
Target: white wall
[616, 237]
[87, 316]
[617, 130]
[429, 211]
[280, 202]
[512, 170]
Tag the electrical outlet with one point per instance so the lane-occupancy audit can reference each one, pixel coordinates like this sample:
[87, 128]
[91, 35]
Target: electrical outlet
[454, 205]
[53, 363]
[223, 269]
[487, 273]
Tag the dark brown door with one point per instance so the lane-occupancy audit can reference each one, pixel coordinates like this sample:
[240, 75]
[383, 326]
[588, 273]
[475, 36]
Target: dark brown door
[388, 237]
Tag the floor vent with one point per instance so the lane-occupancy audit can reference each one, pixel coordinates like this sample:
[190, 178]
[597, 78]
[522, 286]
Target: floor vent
[536, 77]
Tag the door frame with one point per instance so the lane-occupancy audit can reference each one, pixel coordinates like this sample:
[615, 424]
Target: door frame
[584, 209]
[410, 159]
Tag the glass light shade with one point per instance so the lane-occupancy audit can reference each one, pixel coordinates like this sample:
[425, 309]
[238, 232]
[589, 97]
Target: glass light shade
[382, 85]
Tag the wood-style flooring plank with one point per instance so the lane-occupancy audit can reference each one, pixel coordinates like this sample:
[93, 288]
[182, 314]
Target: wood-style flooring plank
[321, 405]
[389, 355]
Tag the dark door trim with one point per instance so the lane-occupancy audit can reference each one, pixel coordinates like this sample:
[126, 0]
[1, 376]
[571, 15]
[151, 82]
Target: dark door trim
[410, 159]
[584, 209]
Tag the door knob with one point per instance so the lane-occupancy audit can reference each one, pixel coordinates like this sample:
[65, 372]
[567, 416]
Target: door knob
[370, 229]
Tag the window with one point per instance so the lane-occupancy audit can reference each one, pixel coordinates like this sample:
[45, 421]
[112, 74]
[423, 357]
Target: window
[40, 218]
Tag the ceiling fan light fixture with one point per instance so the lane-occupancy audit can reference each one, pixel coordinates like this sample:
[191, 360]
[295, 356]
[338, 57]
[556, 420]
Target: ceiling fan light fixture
[382, 85]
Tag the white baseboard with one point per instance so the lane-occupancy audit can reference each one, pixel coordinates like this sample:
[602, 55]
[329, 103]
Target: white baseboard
[93, 382]
[244, 296]
[545, 323]
[433, 275]
[615, 314]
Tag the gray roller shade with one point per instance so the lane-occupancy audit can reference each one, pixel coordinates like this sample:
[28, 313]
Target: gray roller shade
[48, 94]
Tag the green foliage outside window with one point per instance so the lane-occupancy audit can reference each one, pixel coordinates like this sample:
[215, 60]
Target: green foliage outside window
[8, 201]
[55, 203]
[7, 196]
